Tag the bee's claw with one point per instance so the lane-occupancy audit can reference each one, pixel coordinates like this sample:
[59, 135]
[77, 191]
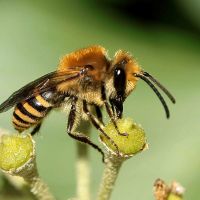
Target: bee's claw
[123, 134]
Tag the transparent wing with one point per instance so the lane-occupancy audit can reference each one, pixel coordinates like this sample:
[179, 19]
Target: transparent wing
[42, 84]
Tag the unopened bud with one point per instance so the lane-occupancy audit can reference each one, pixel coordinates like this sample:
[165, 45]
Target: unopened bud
[128, 145]
[15, 151]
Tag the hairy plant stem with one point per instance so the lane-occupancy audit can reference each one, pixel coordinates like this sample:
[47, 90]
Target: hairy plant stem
[111, 171]
[83, 167]
[83, 172]
[39, 189]
[128, 145]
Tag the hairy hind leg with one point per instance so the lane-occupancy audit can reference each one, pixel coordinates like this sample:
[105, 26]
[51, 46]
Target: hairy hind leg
[72, 125]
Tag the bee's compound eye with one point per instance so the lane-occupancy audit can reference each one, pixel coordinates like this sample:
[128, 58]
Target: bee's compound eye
[119, 81]
[118, 72]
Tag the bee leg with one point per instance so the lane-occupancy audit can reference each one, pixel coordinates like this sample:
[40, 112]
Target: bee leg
[78, 136]
[99, 114]
[109, 110]
[117, 107]
[97, 125]
[36, 129]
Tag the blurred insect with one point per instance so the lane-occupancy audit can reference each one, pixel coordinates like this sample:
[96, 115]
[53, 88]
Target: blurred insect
[85, 80]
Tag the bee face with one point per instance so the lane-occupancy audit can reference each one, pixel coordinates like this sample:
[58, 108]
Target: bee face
[123, 80]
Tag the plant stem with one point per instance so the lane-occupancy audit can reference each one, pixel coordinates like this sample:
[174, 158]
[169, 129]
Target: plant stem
[83, 173]
[83, 167]
[111, 171]
[127, 146]
[39, 188]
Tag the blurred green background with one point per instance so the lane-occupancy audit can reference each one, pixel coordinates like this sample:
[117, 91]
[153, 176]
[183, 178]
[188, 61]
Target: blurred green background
[164, 36]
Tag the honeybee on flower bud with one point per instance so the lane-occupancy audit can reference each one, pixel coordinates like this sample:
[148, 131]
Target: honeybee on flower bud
[85, 80]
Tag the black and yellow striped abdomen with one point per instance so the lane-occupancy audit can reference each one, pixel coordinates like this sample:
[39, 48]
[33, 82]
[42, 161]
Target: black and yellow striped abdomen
[31, 112]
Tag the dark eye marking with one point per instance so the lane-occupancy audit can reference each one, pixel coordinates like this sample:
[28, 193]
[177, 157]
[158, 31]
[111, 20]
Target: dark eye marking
[120, 78]
[120, 81]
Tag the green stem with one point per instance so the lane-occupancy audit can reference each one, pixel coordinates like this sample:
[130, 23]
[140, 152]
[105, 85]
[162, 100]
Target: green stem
[127, 146]
[83, 173]
[39, 189]
[83, 167]
[110, 174]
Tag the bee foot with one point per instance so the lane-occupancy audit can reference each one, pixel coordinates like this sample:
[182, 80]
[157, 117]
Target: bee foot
[123, 134]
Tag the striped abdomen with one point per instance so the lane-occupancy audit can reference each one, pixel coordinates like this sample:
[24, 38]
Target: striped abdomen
[31, 112]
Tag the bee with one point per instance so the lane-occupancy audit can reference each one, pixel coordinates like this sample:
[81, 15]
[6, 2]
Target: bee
[85, 80]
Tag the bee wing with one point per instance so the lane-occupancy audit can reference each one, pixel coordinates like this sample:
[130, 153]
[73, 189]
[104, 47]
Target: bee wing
[42, 84]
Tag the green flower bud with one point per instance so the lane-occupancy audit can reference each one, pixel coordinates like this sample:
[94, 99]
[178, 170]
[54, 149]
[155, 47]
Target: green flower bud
[176, 191]
[129, 145]
[174, 197]
[18, 158]
[15, 151]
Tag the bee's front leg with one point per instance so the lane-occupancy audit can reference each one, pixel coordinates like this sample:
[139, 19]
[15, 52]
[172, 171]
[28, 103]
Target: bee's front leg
[97, 124]
[109, 110]
[99, 114]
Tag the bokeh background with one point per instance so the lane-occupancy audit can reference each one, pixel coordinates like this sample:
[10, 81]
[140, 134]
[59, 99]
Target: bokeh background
[164, 36]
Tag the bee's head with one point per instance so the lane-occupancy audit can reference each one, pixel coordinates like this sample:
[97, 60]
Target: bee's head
[124, 68]
[123, 81]
[126, 73]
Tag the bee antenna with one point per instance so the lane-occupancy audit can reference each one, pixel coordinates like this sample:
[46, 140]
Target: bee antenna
[144, 78]
[160, 86]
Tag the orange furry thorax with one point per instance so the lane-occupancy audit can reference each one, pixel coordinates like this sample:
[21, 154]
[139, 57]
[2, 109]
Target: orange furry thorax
[93, 55]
